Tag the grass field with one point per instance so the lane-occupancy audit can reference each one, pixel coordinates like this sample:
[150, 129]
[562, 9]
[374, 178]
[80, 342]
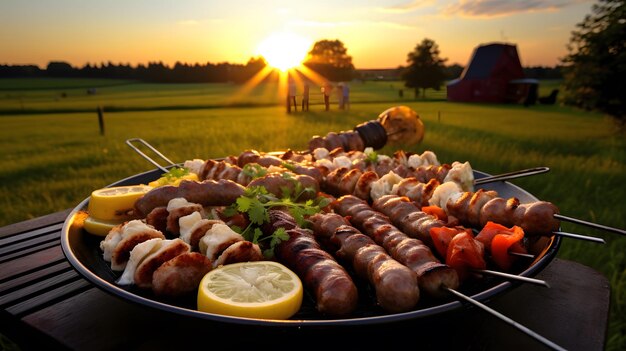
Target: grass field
[51, 161]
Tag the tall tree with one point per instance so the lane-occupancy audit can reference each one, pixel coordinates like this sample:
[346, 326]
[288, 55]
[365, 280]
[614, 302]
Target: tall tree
[426, 69]
[595, 68]
[330, 59]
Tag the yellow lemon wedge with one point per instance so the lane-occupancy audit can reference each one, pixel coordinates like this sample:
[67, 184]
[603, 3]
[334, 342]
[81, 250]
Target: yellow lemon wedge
[259, 289]
[99, 227]
[115, 203]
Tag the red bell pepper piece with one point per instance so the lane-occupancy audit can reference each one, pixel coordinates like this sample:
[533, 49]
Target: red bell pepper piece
[465, 253]
[436, 211]
[509, 240]
[442, 236]
[502, 243]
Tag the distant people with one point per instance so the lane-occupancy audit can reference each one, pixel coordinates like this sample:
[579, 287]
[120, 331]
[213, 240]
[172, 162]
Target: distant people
[345, 96]
[340, 96]
[291, 96]
[305, 97]
[326, 90]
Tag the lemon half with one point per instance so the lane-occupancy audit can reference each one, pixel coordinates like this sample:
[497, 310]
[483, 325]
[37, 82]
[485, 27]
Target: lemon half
[115, 203]
[99, 227]
[259, 289]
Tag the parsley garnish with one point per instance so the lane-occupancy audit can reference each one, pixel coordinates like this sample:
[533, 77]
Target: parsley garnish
[254, 170]
[256, 203]
[371, 157]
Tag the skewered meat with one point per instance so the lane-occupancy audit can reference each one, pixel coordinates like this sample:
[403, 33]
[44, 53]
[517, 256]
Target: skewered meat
[277, 184]
[118, 244]
[207, 193]
[331, 285]
[432, 274]
[480, 207]
[166, 251]
[407, 216]
[395, 284]
[181, 275]
[176, 208]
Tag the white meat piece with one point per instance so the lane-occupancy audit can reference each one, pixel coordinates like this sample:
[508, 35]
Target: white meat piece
[216, 239]
[195, 165]
[321, 153]
[189, 223]
[462, 174]
[443, 192]
[118, 233]
[427, 158]
[384, 185]
[177, 202]
[137, 255]
[342, 161]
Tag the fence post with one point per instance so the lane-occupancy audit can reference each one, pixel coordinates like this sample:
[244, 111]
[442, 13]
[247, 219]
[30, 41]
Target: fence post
[101, 119]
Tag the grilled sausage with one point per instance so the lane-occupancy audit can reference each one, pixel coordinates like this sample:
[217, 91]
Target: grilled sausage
[431, 273]
[407, 216]
[207, 193]
[335, 292]
[395, 284]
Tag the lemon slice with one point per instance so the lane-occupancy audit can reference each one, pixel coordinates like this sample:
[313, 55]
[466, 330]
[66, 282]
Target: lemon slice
[115, 203]
[259, 289]
[99, 227]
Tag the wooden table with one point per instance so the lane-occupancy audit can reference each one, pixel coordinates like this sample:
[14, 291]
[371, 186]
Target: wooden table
[46, 304]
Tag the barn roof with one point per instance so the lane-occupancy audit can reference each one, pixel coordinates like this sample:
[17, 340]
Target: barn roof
[484, 59]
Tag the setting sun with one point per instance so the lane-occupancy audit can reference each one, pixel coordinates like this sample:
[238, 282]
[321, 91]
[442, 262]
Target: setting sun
[284, 50]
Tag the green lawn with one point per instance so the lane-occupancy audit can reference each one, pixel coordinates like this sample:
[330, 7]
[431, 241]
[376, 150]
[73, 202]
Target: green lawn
[52, 161]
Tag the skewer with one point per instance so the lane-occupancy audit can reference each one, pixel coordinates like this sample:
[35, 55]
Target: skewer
[512, 175]
[148, 158]
[513, 277]
[590, 224]
[581, 237]
[521, 254]
[505, 319]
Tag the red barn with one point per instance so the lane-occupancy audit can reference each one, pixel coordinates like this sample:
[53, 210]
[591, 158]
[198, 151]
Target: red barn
[494, 74]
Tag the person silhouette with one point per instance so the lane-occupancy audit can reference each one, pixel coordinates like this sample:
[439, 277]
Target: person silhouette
[305, 97]
[291, 96]
[345, 96]
[326, 90]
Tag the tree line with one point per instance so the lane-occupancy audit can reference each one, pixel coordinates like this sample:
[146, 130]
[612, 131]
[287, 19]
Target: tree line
[156, 72]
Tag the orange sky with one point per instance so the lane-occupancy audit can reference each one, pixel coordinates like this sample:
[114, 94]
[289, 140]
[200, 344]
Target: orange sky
[378, 34]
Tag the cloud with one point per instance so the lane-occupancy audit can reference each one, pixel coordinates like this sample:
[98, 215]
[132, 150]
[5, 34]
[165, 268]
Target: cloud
[498, 8]
[327, 24]
[407, 7]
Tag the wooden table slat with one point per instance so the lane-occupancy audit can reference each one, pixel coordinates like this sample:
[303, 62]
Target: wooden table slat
[31, 235]
[23, 246]
[49, 297]
[43, 272]
[35, 223]
[31, 262]
[37, 288]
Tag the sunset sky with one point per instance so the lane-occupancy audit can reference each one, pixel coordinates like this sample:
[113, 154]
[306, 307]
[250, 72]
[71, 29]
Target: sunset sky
[377, 33]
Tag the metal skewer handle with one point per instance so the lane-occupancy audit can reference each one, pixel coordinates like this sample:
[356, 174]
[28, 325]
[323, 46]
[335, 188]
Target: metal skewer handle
[512, 175]
[590, 224]
[129, 142]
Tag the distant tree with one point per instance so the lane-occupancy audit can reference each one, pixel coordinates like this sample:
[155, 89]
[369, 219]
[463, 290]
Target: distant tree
[59, 69]
[425, 69]
[330, 59]
[453, 71]
[595, 68]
